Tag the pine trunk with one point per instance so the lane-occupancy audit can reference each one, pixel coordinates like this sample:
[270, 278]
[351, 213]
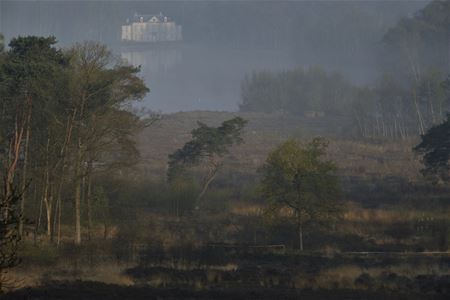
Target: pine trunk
[89, 207]
[24, 175]
[78, 196]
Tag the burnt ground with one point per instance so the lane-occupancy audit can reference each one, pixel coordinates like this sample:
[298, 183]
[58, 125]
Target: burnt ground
[97, 290]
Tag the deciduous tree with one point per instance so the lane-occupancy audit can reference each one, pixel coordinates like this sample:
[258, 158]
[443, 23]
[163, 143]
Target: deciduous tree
[101, 85]
[298, 178]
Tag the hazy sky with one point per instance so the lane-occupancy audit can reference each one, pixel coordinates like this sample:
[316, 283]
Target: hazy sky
[223, 40]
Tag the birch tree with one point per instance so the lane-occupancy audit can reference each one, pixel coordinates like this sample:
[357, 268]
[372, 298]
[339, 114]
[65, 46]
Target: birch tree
[30, 76]
[101, 86]
[298, 178]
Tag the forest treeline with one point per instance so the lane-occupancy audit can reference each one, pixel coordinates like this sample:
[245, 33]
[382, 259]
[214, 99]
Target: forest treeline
[418, 43]
[389, 109]
[410, 95]
[63, 119]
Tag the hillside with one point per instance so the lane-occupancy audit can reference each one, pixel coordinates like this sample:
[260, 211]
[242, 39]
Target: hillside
[265, 131]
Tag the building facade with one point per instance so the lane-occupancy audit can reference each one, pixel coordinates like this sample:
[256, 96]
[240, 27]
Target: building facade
[151, 28]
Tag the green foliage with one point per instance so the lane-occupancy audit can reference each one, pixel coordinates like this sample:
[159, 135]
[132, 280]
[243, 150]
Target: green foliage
[9, 232]
[30, 77]
[101, 87]
[206, 142]
[435, 151]
[31, 67]
[64, 113]
[297, 178]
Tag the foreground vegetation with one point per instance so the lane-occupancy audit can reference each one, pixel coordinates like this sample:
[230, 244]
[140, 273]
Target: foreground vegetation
[103, 201]
[144, 232]
[159, 239]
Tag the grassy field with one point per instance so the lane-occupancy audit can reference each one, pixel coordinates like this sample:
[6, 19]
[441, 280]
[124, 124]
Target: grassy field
[155, 253]
[362, 159]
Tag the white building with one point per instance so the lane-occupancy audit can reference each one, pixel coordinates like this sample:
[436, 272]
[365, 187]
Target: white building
[151, 28]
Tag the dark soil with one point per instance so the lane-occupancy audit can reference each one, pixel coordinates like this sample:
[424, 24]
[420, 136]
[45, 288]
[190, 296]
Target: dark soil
[98, 291]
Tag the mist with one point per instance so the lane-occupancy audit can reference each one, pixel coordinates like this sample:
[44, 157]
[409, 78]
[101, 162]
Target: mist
[222, 41]
[225, 150]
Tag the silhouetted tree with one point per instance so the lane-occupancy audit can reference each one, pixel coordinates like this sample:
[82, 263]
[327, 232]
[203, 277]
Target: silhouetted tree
[208, 144]
[2, 42]
[435, 152]
[9, 232]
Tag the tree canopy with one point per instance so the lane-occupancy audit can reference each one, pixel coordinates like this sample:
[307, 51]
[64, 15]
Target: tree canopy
[419, 42]
[208, 144]
[435, 152]
[298, 178]
[64, 118]
[9, 233]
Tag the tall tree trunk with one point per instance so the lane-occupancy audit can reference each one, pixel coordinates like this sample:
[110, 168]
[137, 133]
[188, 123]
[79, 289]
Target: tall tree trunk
[413, 61]
[58, 239]
[430, 101]
[88, 196]
[63, 152]
[78, 175]
[358, 120]
[24, 173]
[49, 209]
[300, 230]
[55, 218]
[47, 197]
[14, 155]
[46, 203]
[300, 234]
[214, 168]
[38, 219]
[205, 187]
[88, 204]
[78, 195]
[77, 212]
[419, 114]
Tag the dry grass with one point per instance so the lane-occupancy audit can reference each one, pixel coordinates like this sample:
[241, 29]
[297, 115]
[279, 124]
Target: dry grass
[355, 213]
[264, 132]
[246, 209]
[34, 276]
[340, 277]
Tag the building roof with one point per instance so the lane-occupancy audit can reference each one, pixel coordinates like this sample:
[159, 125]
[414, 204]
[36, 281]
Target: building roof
[147, 17]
